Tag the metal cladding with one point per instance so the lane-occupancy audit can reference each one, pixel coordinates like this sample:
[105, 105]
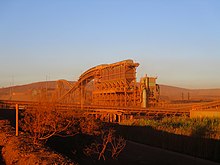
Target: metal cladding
[150, 91]
[110, 85]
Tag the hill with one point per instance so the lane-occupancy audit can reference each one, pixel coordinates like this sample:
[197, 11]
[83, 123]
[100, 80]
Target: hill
[176, 93]
[26, 92]
[168, 93]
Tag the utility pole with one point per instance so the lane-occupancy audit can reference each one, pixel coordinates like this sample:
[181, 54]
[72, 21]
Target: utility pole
[81, 92]
[10, 90]
[16, 119]
[11, 87]
[182, 96]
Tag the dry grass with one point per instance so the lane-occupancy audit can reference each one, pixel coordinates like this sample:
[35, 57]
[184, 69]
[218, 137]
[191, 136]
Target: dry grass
[197, 127]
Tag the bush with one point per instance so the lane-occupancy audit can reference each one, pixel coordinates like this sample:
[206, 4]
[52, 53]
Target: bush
[44, 121]
[106, 145]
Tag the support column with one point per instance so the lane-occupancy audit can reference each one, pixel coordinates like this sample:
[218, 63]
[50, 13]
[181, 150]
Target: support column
[119, 118]
[114, 117]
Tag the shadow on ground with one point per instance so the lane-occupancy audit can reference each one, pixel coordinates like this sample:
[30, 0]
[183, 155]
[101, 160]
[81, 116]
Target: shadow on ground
[194, 146]
[135, 153]
[138, 153]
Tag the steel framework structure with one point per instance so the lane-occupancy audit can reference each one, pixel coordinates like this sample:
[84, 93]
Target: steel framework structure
[110, 91]
[109, 85]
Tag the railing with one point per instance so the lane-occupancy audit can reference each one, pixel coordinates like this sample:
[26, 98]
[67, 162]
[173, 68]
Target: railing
[209, 105]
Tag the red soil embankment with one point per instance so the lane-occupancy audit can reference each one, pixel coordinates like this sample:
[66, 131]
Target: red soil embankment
[20, 150]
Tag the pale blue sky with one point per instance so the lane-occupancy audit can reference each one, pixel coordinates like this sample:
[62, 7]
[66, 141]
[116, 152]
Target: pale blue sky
[176, 40]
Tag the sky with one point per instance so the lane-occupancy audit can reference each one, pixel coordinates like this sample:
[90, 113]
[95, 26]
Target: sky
[177, 41]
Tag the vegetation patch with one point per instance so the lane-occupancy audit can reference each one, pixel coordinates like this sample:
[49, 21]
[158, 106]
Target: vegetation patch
[44, 123]
[196, 127]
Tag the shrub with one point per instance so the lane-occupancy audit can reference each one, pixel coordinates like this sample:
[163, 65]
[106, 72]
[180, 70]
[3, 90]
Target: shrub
[44, 121]
[106, 145]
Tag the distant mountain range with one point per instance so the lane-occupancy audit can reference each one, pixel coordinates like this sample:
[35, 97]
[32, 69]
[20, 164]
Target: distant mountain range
[176, 93]
[167, 93]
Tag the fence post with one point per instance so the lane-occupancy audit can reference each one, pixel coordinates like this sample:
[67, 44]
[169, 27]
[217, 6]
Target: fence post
[16, 119]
